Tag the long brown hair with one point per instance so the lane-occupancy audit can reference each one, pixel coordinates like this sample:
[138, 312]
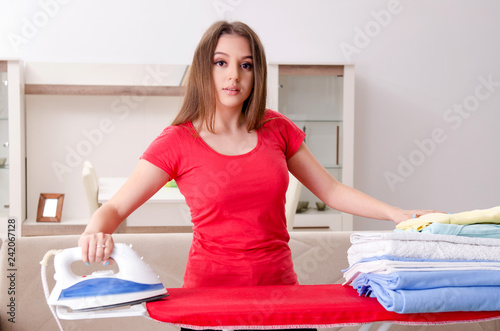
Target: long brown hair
[199, 101]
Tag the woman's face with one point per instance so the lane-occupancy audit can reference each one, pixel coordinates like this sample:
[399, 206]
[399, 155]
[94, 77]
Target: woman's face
[232, 72]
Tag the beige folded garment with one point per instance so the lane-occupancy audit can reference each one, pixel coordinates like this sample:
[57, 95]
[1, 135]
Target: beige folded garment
[491, 215]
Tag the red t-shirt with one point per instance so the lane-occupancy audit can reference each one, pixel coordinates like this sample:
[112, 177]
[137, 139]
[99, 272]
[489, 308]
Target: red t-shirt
[237, 203]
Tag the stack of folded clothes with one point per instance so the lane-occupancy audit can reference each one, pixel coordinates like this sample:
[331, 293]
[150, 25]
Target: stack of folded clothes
[483, 223]
[418, 271]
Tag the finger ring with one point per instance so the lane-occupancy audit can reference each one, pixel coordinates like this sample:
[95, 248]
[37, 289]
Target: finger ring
[103, 246]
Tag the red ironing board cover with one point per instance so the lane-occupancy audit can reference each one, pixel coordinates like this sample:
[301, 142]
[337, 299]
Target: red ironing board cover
[275, 307]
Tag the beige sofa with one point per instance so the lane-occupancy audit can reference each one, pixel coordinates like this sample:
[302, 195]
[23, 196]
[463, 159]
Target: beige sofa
[318, 258]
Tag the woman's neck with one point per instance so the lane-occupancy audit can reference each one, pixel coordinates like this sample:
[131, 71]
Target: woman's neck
[225, 122]
[230, 136]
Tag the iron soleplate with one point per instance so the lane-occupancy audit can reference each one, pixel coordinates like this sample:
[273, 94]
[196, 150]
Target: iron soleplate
[129, 303]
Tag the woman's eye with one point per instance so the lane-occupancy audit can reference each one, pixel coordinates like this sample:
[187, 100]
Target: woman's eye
[219, 63]
[246, 66]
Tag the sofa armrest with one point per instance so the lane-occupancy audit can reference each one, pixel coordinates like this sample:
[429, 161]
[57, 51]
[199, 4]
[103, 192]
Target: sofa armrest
[165, 253]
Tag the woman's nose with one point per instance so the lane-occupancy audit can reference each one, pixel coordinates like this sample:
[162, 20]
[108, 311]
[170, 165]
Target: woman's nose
[233, 73]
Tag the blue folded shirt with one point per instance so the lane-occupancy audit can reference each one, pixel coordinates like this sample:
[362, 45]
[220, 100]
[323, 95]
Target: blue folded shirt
[436, 291]
[444, 299]
[470, 230]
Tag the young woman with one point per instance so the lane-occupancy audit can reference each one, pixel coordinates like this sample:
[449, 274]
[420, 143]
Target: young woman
[230, 158]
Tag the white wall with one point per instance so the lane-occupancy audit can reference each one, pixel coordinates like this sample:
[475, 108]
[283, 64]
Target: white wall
[415, 62]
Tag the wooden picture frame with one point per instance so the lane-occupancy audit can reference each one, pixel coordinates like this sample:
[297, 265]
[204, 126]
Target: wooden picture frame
[50, 207]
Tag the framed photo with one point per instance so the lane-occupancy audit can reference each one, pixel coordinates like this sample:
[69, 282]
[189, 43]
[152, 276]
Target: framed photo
[50, 207]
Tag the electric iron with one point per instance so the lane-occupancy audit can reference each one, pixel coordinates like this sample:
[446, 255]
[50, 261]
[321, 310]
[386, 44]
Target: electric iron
[93, 296]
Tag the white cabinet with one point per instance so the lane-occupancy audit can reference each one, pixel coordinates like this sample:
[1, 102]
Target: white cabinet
[12, 144]
[320, 100]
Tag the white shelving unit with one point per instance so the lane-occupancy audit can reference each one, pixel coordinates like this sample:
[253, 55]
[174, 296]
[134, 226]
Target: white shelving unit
[317, 97]
[12, 145]
[320, 100]
[78, 111]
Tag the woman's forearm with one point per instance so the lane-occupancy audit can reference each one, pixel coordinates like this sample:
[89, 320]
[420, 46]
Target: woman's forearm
[352, 201]
[307, 169]
[105, 219]
[145, 181]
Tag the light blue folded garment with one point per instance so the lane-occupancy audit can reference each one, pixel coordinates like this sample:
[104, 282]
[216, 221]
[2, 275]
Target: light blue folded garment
[444, 299]
[418, 280]
[436, 291]
[472, 230]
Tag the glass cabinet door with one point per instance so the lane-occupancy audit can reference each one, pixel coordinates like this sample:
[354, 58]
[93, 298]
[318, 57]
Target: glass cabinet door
[311, 97]
[314, 103]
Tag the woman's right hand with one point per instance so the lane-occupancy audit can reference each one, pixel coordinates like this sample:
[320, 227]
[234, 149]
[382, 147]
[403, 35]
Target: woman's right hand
[96, 247]
[96, 241]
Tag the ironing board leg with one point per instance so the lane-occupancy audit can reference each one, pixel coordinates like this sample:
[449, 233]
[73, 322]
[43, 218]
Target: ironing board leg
[383, 327]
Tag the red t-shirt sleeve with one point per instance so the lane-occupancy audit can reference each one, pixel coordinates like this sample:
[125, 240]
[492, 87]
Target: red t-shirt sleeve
[164, 151]
[292, 136]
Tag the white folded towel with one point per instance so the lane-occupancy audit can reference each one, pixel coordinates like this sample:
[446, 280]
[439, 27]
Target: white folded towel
[423, 246]
[360, 237]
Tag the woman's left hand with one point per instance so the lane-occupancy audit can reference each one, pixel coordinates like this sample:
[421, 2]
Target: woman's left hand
[404, 215]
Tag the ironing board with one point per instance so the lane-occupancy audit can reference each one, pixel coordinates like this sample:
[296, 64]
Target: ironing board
[280, 307]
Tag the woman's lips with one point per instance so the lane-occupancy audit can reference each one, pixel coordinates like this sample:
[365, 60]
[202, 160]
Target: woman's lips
[231, 90]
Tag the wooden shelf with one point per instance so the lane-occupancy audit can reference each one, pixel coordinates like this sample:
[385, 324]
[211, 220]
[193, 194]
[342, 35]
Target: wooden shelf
[49, 89]
[319, 70]
[31, 228]
[106, 79]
